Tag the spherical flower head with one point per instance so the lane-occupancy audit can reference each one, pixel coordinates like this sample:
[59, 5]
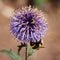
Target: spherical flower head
[28, 24]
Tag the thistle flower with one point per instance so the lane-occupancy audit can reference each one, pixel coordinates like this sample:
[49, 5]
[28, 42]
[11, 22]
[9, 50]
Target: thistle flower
[28, 24]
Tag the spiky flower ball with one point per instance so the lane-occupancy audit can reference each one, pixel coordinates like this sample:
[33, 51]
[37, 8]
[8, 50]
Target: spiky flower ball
[28, 24]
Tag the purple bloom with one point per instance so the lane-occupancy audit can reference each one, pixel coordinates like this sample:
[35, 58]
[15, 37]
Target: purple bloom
[28, 24]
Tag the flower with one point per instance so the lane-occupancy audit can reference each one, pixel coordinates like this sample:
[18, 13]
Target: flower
[28, 24]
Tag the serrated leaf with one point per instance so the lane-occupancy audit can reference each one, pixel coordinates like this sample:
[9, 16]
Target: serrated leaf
[13, 55]
[30, 52]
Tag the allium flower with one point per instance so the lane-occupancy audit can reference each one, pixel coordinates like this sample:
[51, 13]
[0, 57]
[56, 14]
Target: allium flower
[28, 24]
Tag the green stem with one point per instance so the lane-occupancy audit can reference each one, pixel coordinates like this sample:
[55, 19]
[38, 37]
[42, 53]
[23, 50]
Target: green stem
[26, 53]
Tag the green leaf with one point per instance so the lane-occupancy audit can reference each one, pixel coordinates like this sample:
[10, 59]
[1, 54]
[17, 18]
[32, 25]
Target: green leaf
[30, 52]
[13, 55]
[39, 2]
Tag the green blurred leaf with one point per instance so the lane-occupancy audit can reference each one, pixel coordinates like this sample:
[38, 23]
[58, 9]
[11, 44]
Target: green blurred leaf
[30, 52]
[39, 2]
[13, 55]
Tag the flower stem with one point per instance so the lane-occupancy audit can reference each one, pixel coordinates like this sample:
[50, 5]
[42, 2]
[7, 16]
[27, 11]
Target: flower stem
[26, 53]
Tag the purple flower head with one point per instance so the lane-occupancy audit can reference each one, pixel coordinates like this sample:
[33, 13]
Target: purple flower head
[28, 24]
